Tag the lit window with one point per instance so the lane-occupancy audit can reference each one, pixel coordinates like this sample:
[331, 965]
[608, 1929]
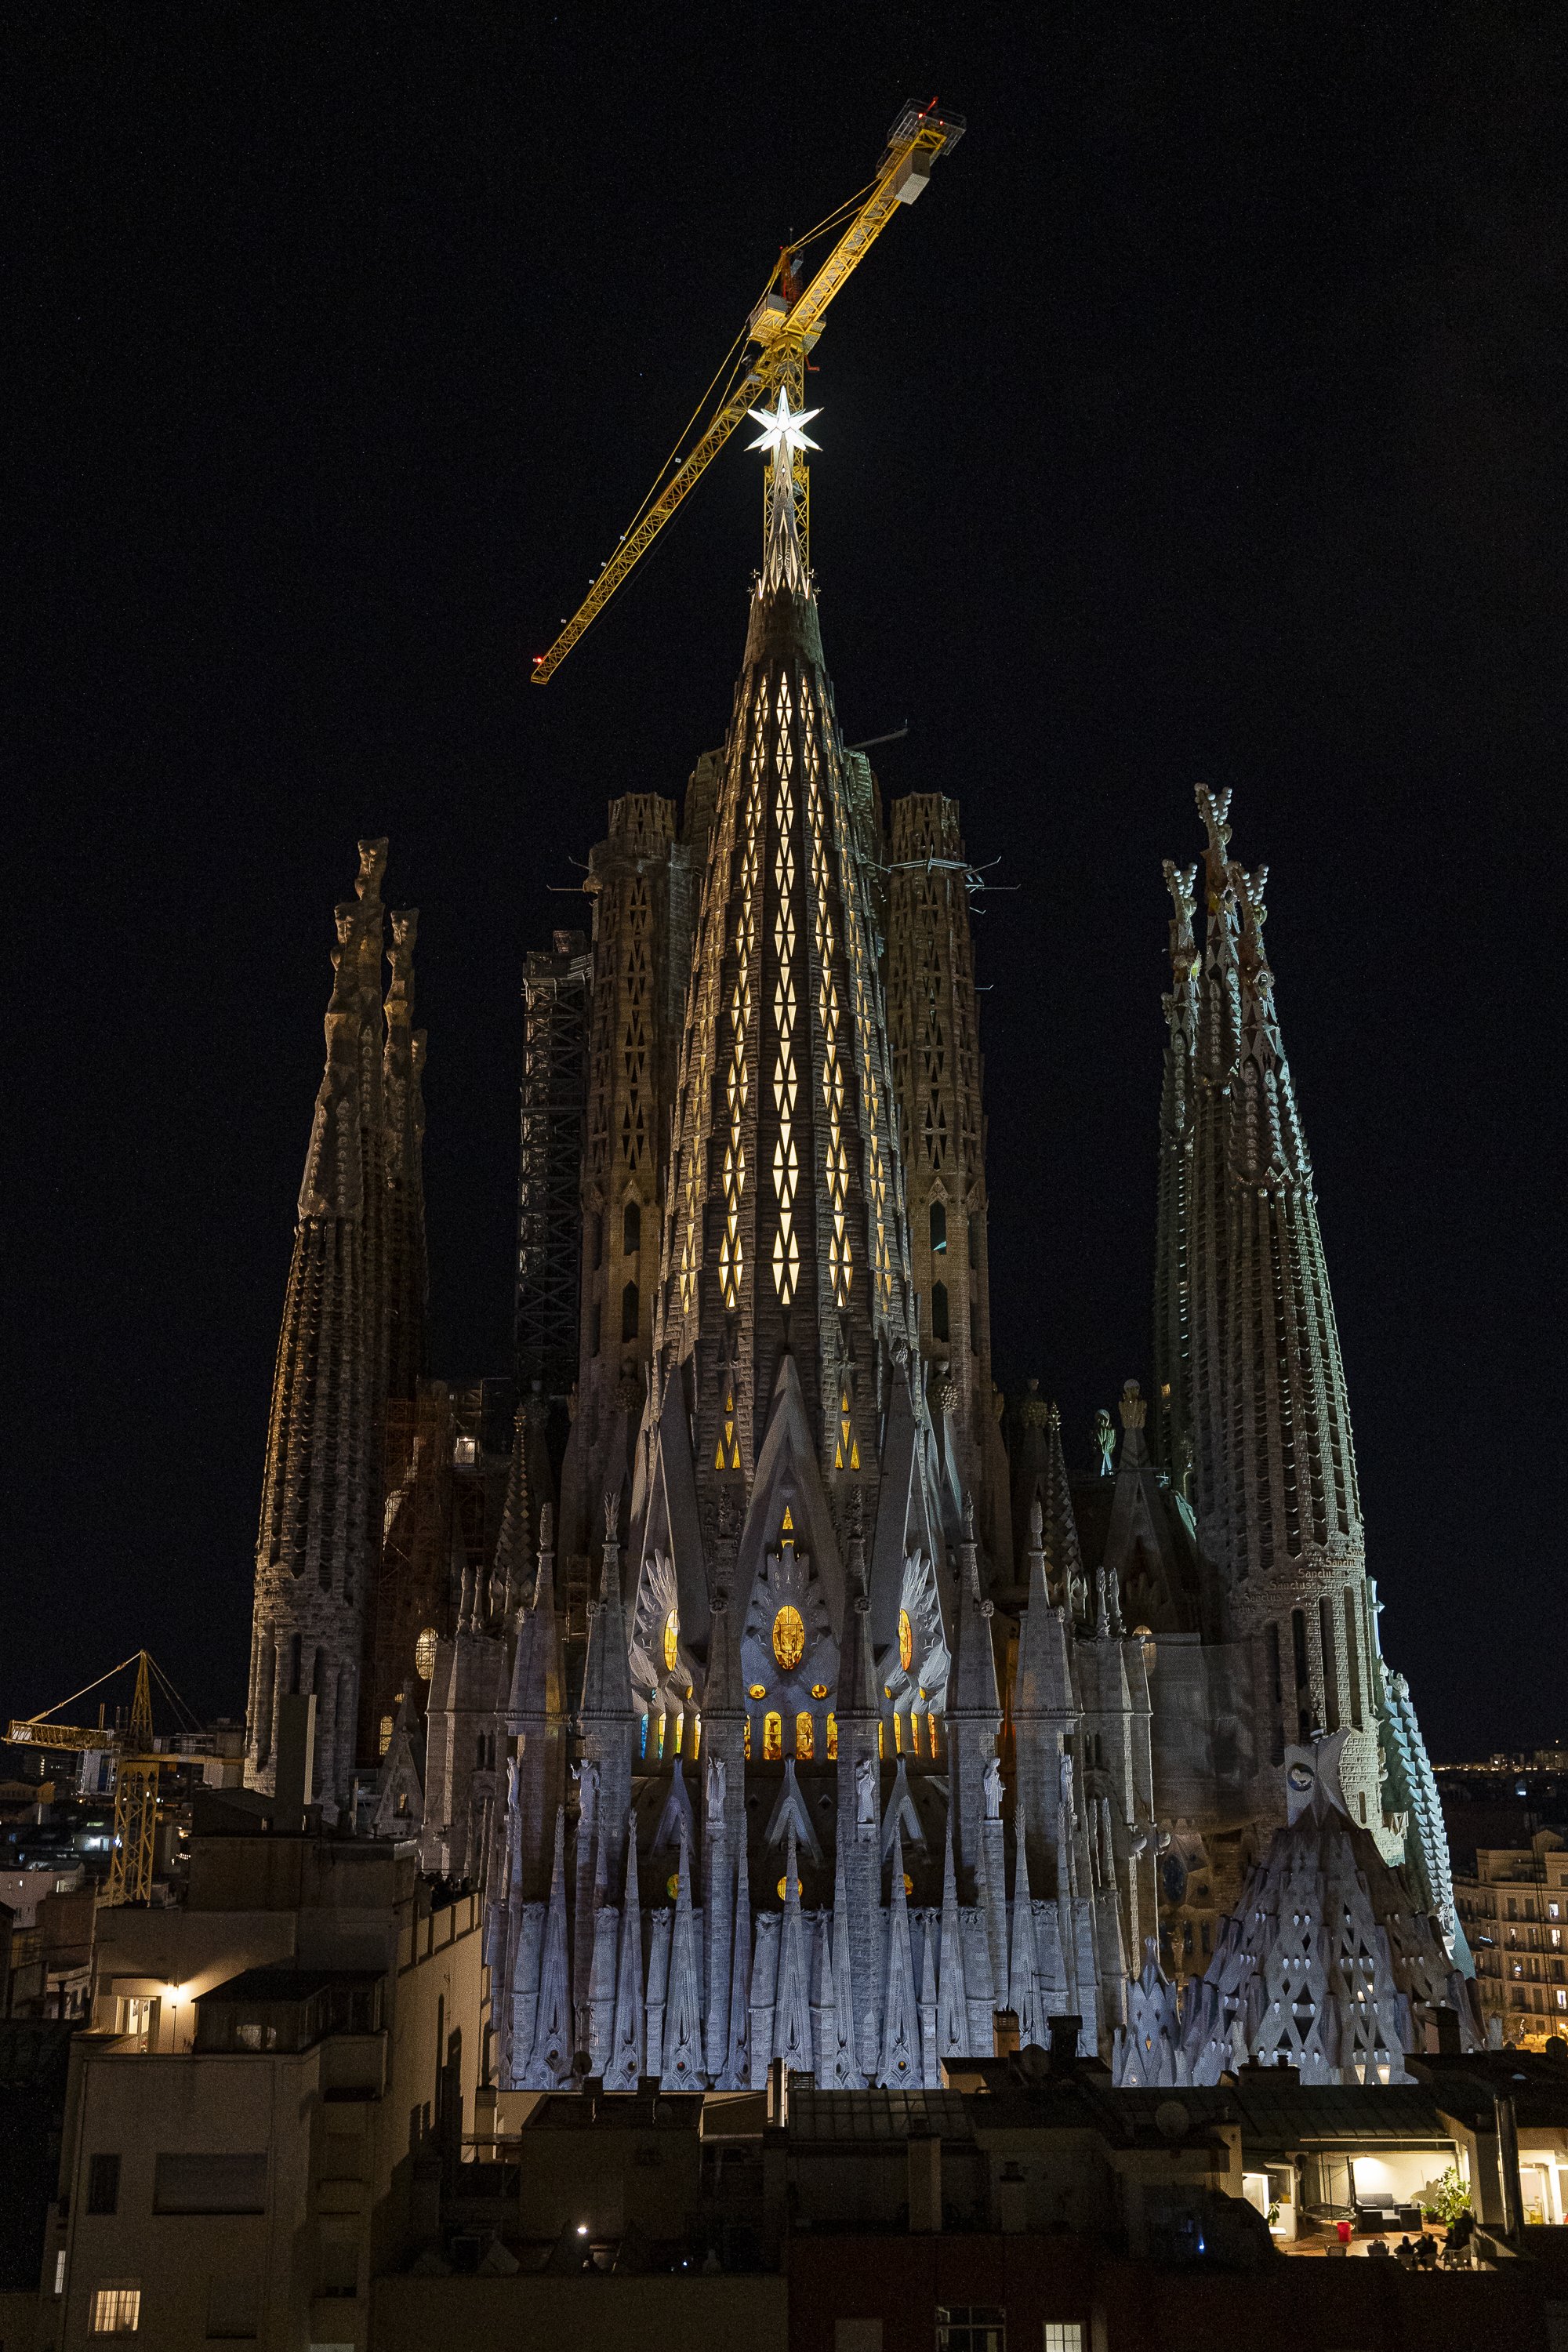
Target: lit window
[60, 2272]
[671, 1639]
[117, 2309]
[384, 1735]
[805, 1737]
[772, 1739]
[789, 1638]
[1562, 1998]
[423, 1657]
[832, 1737]
[1063, 2336]
[464, 1452]
[906, 1641]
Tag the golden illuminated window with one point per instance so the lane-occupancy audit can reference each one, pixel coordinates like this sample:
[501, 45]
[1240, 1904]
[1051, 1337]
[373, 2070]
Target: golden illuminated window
[383, 1738]
[772, 1739]
[787, 1525]
[680, 1730]
[908, 1885]
[672, 1886]
[746, 1740]
[847, 1454]
[832, 1737]
[897, 1735]
[697, 1735]
[671, 1638]
[906, 1641]
[425, 1653]
[805, 1736]
[783, 1887]
[881, 1739]
[789, 1638]
[758, 1690]
[727, 1453]
[819, 1690]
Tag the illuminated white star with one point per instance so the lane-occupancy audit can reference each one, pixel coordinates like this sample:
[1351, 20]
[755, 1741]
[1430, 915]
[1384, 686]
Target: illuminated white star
[781, 430]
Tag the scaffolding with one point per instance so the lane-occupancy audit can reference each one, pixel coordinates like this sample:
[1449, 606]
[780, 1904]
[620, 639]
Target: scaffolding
[556, 989]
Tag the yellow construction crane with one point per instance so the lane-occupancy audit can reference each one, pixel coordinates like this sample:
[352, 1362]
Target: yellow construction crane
[783, 329]
[136, 1769]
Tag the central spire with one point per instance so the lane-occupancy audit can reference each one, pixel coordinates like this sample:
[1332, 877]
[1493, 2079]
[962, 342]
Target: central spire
[785, 1325]
[784, 559]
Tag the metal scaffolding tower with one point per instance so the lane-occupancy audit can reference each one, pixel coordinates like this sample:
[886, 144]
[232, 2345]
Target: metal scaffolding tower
[555, 995]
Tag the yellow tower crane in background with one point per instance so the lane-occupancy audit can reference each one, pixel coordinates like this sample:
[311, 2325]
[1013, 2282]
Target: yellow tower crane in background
[137, 1766]
[771, 351]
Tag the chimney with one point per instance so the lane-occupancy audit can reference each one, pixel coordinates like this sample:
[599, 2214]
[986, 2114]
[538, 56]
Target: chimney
[1065, 2032]
[924, 2148]
[296, 1778]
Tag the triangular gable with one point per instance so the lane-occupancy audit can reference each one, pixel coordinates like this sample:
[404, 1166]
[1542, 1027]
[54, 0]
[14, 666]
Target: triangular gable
[788, 1472]
[670, 1527]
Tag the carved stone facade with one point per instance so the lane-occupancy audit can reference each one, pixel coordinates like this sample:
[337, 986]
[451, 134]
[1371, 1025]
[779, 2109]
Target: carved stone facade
[830, 1730]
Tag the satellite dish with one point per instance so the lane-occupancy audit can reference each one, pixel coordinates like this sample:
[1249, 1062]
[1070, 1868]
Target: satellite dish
[1171, 2120]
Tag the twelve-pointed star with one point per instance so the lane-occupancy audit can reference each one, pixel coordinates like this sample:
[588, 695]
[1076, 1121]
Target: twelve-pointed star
[781, 430]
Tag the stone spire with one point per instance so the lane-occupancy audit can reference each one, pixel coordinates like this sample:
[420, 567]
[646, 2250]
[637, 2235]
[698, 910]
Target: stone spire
[510, 1578]
[407, 1276]
[537, 1718]
[1278, 1507]
[1206, 1206]
[974, 1710]
[786, 1221]
[1173, 1297]
[607, 1719]
[1064, 1555]
[318, 1545]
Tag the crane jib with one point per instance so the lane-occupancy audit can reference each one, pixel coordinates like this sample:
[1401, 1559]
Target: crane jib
[918, 137]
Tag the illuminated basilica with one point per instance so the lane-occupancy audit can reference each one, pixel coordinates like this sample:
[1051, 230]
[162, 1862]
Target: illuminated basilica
[788, 1695]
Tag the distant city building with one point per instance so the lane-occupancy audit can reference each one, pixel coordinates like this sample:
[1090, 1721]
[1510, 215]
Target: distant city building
[1514, 1907]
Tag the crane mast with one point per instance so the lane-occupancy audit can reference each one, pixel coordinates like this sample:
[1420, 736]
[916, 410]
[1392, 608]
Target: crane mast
[782, 330]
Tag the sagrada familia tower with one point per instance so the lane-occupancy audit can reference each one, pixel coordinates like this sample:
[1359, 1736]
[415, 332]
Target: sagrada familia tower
[788, 1695]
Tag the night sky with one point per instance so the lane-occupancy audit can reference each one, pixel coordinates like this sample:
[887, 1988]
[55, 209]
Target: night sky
[1204, 420]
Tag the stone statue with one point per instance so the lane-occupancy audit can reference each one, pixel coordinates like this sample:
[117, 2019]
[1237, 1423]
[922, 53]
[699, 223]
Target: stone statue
[865, 1794]
[716, 1782]
[992, 1787]
[1066, 1782]
[1105, 1439]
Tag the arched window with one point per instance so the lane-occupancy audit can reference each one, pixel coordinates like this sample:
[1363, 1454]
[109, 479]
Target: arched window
[425, 1653]
[938, 1228]
[772, 1739]
[629, 1311]
[805, 1737]
[631, 1229]
[938, 1310]
[671, 1641]
[832, 1738]
[383, 1738]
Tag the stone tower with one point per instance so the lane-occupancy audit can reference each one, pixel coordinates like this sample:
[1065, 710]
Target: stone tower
[784, 1336]
[354, 1297]
[937, 1075]
[1251, 1378]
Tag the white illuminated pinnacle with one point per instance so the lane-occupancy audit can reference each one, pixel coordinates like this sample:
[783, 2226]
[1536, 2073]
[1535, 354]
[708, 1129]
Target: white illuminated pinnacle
[781, 430]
